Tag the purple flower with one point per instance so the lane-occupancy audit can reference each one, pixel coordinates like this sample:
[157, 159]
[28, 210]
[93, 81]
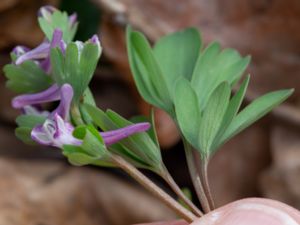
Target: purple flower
[66, 95]
[20, 50]
[49, 95]
[28, 102]
[40, 54]
[56, 132]
[111, 137]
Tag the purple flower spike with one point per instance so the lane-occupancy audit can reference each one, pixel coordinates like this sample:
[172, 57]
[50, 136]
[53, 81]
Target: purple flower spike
[111, 137]
[66, 95]
[55, 132]
[49, 95]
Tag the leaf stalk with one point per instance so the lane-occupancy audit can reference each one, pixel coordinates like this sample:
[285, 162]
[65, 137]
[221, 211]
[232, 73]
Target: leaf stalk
[154, 189]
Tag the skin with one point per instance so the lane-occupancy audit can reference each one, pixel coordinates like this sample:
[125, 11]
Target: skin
[251, 211]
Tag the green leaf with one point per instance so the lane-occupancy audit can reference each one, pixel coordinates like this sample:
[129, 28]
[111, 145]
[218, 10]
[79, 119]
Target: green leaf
[93, 143]
[77, 156]
[106, 124]
[232, 110]
[214, 67]
[254, 111]
[26, 123]
[152, 130]
[187, 111]
[142, 82]
[24, 134]
[58, 20]
[130, 156]
[92, 149]
[213, 116]
[140, 143]
[177, 53]
[79, 132]
[146, 72]
[58, 64]
[100, 118]
[76, 67]
[30, 121]
[26, 78]
[88, 98]
[138, 149]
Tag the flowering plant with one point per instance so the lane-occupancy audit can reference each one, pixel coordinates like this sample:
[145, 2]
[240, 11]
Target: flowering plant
[193, 85]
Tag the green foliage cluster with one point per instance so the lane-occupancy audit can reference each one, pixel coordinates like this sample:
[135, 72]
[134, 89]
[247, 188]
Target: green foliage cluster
[194, 85]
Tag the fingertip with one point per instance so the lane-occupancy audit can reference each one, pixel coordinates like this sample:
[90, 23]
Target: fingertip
[252, 211]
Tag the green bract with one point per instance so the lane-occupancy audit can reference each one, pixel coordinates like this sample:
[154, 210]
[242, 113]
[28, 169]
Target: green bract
[91, 151]
[25, 124]
[76, 67]
[195, 86]
[26, 78]
[139, 149]
[58, 20]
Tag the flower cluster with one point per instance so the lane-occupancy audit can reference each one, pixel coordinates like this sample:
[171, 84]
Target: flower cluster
[57, 126]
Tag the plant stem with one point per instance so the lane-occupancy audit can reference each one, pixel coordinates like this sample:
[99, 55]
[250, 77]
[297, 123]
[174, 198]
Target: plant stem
[196, 177]
[154, 189]
[169, 179]
[205, 183]
[76, 115]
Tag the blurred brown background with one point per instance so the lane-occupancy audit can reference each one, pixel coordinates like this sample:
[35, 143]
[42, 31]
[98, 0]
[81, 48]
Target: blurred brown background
[38, 187]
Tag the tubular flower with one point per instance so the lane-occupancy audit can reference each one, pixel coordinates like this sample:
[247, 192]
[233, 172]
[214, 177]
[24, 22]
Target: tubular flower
[54, 132]
[66, 95]
[20, 50]
[29, 102]
[57, 132]
[41, 53]
[111, 137]
[49, 95]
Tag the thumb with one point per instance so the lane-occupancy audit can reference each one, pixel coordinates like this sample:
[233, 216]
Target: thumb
[252, 211]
